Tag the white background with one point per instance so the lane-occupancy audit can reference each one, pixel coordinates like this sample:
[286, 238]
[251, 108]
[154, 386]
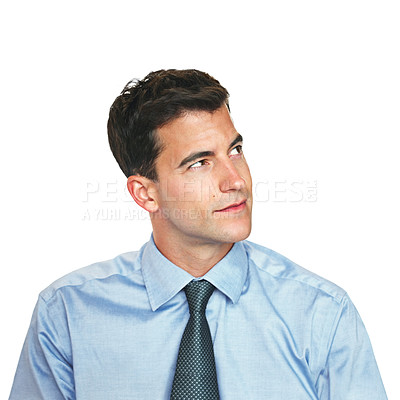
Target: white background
[314, 91]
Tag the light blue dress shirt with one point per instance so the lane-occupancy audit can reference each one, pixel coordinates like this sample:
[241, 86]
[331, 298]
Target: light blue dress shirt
[112, 331]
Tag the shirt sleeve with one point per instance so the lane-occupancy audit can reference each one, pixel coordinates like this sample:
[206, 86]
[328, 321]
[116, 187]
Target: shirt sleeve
[45, 369]
[350, 372]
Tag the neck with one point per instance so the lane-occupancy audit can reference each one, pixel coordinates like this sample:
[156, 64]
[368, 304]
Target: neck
[197, 258]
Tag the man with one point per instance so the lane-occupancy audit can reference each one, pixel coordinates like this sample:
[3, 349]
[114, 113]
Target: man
[259, 326]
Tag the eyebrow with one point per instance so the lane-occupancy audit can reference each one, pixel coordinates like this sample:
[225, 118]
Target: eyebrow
[238, 139]
[199, 154]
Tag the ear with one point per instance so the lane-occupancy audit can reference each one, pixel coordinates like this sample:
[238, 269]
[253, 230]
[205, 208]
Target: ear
[143, 191]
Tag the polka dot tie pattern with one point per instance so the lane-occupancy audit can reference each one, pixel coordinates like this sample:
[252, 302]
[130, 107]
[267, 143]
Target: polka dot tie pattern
[195, 374]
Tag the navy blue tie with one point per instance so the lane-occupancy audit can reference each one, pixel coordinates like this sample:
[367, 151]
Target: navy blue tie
[195, 374]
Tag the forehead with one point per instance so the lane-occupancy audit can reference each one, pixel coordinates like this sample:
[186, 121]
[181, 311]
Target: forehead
[197, 130]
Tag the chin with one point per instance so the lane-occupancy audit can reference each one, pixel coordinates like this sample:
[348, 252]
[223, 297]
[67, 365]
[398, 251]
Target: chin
[236, 233]
[243, 236]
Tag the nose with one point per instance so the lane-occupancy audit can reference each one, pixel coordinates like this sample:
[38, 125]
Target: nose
[230, 178]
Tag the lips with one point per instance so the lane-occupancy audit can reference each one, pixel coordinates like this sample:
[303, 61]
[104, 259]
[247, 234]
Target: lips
[234, 207]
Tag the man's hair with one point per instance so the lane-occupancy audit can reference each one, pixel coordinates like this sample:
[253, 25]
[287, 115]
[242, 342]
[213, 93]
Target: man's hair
[146, 105]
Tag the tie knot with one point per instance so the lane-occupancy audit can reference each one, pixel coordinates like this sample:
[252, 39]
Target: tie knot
[198, 294]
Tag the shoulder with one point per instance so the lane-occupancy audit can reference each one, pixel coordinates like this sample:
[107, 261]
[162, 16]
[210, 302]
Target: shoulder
[124, 264]
[281, 268]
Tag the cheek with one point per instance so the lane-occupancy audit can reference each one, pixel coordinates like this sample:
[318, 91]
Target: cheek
[198, 192]
[185, 193]
[246, 175]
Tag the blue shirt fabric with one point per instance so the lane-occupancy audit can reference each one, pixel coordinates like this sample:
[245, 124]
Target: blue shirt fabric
[112, 331]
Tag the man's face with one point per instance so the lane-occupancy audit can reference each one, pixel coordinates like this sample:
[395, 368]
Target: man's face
[204, 183]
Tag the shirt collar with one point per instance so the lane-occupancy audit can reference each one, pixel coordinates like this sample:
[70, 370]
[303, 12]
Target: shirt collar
[163, 279]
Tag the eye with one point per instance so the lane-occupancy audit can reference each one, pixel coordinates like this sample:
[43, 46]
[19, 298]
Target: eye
[198, 164]
[236, 150]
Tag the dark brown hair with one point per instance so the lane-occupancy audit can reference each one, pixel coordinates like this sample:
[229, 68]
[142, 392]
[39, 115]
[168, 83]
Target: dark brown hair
[148, 104]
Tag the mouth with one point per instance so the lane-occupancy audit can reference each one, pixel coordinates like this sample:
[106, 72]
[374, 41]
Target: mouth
[236, 207]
